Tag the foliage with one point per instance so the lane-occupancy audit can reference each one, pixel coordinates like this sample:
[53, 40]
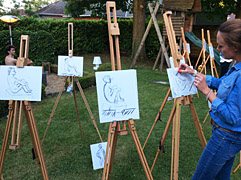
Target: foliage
[220, 8]
[3, 108]
[89, 37]
[97, 7]
[41, 47]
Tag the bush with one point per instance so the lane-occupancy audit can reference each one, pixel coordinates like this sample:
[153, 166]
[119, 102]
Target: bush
[41, 47]
[3, 108]
[90, 36]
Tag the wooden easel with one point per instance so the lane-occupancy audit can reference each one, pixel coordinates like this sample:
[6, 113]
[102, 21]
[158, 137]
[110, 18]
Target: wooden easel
[114, 128]
[202, 53]
[70, 52]
[175, 115]
[18, 105]
[187, 58]
[154, 20]
[21, 62]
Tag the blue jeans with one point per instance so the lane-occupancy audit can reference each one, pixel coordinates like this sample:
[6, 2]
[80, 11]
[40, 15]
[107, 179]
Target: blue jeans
[218, 156]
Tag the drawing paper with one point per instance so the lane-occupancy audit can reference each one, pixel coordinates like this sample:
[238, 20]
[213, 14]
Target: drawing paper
[117, 95]
[98, 152]
[20, 83]
[70, 66]
[181, 83]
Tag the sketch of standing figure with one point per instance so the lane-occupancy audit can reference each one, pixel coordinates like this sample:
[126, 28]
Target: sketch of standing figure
[101, 155]
[17, 85]
[112, 93]
[71, 69]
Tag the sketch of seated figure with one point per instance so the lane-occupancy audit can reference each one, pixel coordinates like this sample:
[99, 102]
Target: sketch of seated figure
[70, 68]
[17, 86]
[101, 155]
[112, 94]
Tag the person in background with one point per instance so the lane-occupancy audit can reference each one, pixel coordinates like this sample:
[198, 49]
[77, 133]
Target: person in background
[218, 156]
[10, 60]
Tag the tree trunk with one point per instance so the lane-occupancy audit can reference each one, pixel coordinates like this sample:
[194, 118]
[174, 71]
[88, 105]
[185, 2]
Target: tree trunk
[139, 7]
[238, 15]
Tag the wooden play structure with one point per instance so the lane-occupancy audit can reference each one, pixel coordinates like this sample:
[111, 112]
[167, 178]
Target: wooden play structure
[114, 128]
[72, 79]
[27, 108]
[175, 115]
[180, 8]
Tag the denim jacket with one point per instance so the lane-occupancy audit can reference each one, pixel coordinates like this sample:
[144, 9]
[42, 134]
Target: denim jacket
[226, 108]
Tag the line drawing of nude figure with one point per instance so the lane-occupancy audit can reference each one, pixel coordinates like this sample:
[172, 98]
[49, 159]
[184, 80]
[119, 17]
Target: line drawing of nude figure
[101, 155]
[112, 94]
[16, 85]
[70, 68]
[182, 84]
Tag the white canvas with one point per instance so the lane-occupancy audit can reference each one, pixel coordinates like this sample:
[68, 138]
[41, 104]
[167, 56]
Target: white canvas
[20, 83]
[181, 83]
[70, 66]
[98, 152]
[117, 95]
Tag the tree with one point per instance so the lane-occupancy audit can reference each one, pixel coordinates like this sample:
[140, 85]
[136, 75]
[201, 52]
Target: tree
[222, 8]
[97, 7]
[139, 8]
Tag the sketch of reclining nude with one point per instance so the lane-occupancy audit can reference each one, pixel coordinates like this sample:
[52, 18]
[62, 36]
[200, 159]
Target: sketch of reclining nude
[112, 94]
[17, 86]
[181, 83]
[70, 68]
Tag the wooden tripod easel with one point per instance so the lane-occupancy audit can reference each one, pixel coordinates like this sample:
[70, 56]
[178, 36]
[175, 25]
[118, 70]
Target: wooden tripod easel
[73, 78]
[21, 62]
[114, 128]
[175, 116]
[18, 105]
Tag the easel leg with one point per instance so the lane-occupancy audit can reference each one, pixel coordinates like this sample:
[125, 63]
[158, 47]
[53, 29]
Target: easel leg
[88, 107]
[77, 111]
[158, 115]
[139, 149]
[176, 126]
[54, 108]
[238, 165]
[20, 123]
[35, 138]
[6, 134]
[165, 133]
[110, 150]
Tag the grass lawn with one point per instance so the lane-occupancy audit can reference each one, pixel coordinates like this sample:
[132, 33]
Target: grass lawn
[68, 157]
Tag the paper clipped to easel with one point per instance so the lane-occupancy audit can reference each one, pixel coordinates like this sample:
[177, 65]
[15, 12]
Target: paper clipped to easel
[117, 95]
[20, 83]
[181, 83]
[70, 66]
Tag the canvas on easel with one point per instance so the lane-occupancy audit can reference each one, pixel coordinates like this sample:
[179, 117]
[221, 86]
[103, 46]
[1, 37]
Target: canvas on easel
[117, 95]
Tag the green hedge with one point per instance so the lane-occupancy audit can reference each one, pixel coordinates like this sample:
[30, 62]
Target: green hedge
[3, 108]
[89, 37]
[41, 45]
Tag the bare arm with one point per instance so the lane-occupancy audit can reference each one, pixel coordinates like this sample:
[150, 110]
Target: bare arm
[10, 61]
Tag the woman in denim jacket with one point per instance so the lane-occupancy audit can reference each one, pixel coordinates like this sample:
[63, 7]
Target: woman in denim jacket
[218, 156]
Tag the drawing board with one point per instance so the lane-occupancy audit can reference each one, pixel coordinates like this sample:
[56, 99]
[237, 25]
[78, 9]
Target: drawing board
[70, 66]
[98, 152]
[20, 83]
[117, 95]
[181, 83]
